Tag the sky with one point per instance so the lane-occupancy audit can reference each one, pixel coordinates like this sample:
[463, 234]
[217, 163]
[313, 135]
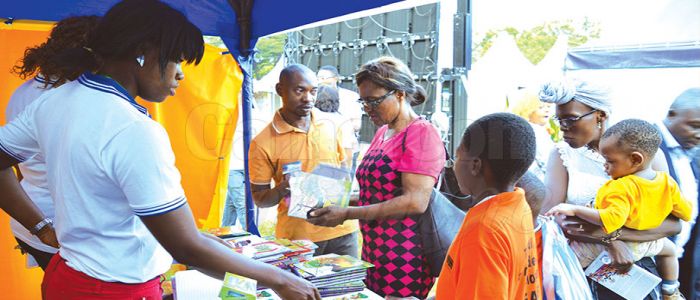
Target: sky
[622, 21]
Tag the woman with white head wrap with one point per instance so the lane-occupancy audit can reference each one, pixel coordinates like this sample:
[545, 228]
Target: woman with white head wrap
[562, 92]
[576, 170]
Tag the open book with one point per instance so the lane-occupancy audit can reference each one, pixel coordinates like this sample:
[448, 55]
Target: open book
[635, 284]
[194, 285]
[325, 186]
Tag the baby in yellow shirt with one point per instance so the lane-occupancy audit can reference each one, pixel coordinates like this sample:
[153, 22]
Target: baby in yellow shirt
[637, 197]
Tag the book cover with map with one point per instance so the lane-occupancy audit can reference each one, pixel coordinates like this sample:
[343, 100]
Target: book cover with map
[325, 186]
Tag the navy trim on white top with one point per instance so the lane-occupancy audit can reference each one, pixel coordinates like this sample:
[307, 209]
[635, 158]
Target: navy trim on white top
[17, 157]
[162, 208]
[41, 79]
[108, 85]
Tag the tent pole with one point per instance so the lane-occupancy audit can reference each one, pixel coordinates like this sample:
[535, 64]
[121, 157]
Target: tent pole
[246, 63]
[243, 9]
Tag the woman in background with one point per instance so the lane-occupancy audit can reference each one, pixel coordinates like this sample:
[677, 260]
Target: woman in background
[525, 103]
[328, 101]
[40, 62]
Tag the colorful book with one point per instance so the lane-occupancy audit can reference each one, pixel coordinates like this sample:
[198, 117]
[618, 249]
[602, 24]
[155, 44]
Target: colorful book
[330, 265]
[635, 284]
[323, 187]
[236, 287]
[227, 231]
[267, 294]
[167, 278]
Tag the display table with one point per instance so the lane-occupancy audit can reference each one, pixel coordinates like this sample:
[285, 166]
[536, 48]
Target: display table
[194, 285]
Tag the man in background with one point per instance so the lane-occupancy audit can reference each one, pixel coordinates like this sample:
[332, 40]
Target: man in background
[680, 132]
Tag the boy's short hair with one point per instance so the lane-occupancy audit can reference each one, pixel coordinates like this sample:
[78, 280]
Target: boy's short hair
[506, 141]
[535, 191]
[636, 135]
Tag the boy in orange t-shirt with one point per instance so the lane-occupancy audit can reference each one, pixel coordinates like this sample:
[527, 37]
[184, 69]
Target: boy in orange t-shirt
[494, 255]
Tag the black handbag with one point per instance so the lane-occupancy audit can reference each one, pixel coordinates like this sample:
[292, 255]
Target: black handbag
[439, 224]
[437, 227]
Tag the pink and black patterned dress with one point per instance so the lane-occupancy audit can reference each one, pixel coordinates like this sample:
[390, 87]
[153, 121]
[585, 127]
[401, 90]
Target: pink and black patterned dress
[393, 245]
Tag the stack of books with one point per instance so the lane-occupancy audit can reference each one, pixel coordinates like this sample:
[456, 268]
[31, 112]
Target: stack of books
[227, 232]
[279, 252]
[334, 274]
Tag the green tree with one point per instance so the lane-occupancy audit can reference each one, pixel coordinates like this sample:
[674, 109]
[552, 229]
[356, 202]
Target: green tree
[269, 50]
[214, 41]
[535, 42]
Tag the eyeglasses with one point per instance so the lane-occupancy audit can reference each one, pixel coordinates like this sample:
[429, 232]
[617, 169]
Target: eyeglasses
[374, 103]
[568, 122]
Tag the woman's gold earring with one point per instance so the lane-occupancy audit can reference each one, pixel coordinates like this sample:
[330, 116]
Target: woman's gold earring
[600, 125]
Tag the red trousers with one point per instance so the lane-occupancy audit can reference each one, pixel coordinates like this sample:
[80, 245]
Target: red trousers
[62, 282]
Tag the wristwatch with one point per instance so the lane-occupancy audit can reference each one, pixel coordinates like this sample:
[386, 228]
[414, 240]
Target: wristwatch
[612, 236]
[39, 226]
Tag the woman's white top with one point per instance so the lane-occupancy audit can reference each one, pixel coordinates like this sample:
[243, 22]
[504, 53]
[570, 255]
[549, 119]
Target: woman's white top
[544, 147]
[34, 181]
[586, 169]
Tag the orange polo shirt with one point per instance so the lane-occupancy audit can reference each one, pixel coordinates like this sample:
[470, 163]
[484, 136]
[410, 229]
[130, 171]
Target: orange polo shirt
[494, 255]
[281, 143]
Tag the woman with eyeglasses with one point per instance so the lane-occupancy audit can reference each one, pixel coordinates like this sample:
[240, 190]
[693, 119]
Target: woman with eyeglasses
[576, 170]
[396, 178]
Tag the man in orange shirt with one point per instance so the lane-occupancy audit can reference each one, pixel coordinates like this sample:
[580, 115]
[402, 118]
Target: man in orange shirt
[494, 255]
[297, 133]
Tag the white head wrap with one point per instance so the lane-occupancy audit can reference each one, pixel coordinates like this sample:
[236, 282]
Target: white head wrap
[561, 92]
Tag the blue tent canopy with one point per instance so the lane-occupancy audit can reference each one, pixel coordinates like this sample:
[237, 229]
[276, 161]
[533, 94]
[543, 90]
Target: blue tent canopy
[213, 17]
[663, 55]
[240, 23]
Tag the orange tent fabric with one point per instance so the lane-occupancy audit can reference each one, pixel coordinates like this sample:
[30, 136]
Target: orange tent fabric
[16, 282]
[200, 121]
